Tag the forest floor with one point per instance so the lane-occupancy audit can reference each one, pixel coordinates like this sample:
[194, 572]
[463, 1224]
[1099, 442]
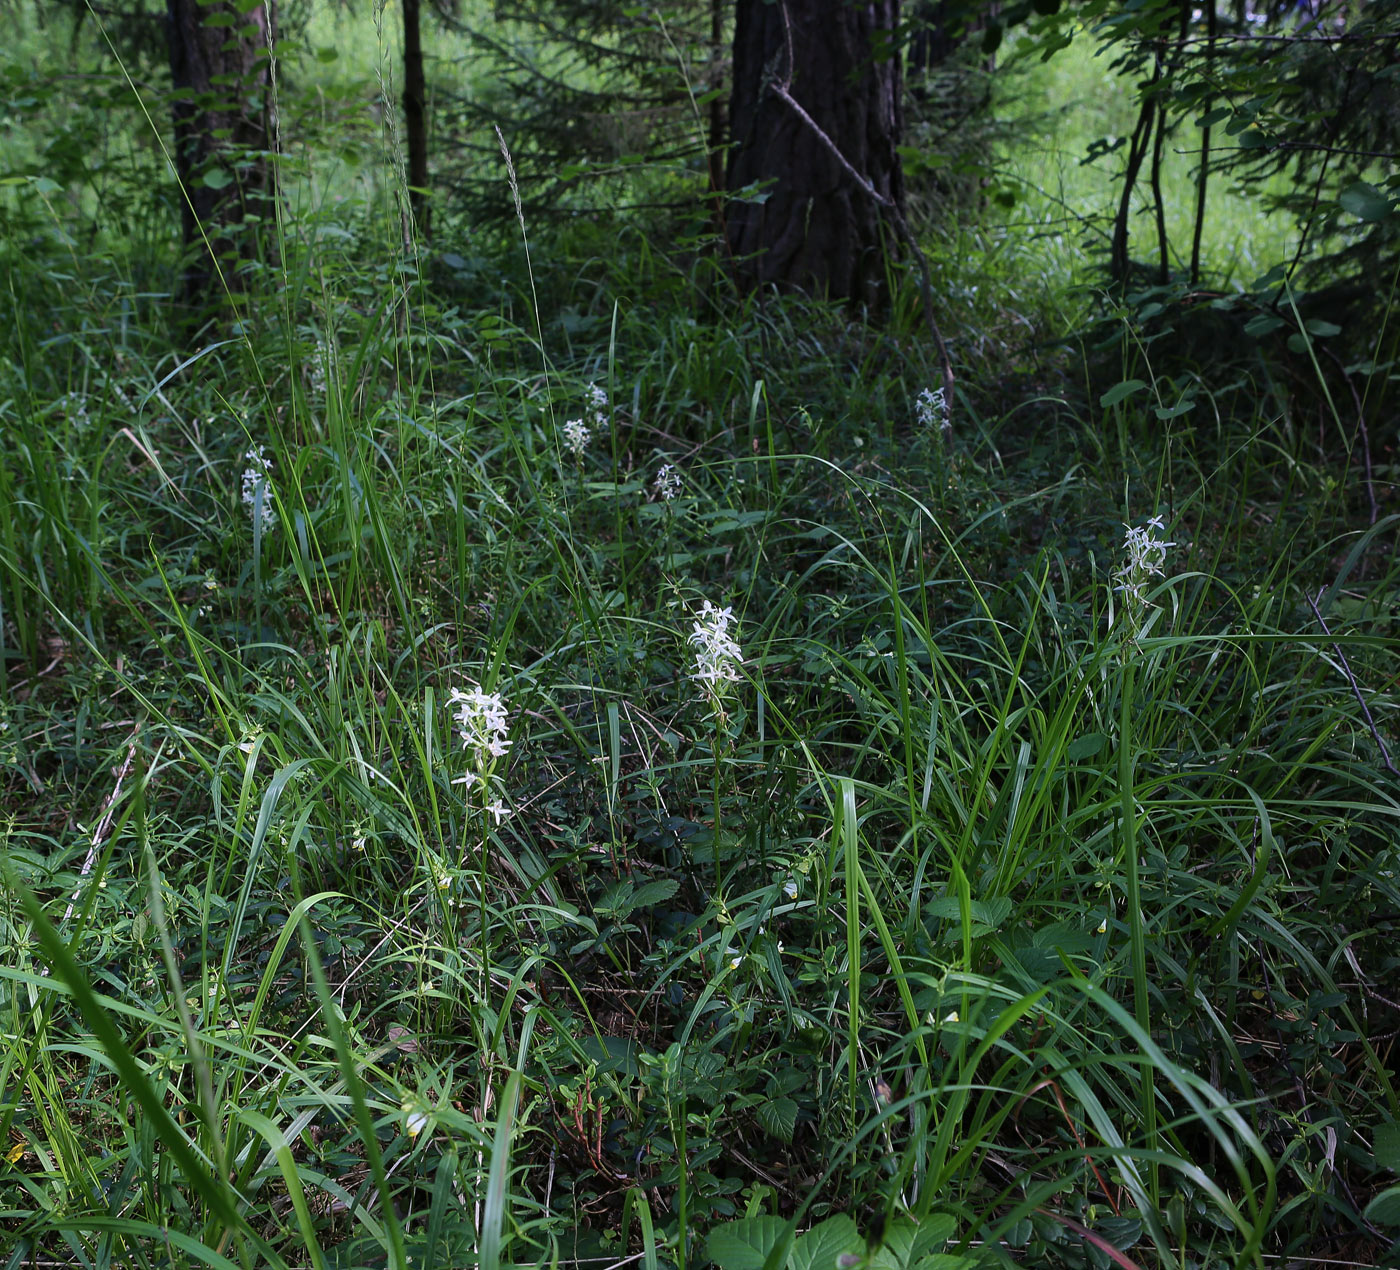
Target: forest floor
[533, 759]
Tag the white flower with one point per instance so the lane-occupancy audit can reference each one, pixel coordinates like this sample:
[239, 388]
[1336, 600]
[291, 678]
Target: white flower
[1147, 555]
[931, 405]
[790, 888]
[481, 722]
[951, 1017]
[415, 1119]
[736, 958]
[717, 655]
[1102, 928]
[257, 486]
[668, 482]
[576, 435]
[498, 809]
[598, 402]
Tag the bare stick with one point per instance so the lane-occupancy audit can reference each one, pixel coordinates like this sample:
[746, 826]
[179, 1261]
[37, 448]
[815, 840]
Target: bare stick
[104, 825]
[1351, 679]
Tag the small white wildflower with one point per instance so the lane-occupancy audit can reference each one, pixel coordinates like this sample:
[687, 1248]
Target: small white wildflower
[481, 722]
[576, 435]
[415, 1119]
[790, 888]
[668, 482]
[598, 401]
[358, 844]
[931, 406]
[1147, 557]
[717, 655]
[257, 486]
[1102, 928]
[498, 809]
[951, 1017]
[736, 958]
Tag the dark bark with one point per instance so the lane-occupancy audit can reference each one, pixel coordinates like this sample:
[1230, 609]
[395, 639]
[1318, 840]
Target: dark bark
[821, 227]
[219, 61]
[415, 101]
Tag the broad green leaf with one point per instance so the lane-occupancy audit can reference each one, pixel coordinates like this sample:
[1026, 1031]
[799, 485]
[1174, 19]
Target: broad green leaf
[1364, 201]
[907, 1244]
[778, 1116]
[820, 1247]
[1388, 1146]
[650, 894]
[1262, 324]
[1384, 1210]
[1121, 392]
[1085, 746]
[743, 1244]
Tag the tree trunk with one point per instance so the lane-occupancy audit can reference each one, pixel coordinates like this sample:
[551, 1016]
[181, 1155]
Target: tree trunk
[415, 98]
[219, 59]
[816, 223]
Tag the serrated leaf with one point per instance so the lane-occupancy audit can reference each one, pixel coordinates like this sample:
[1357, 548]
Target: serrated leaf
[1121, 392]
[1364, 201]
[650, 894]
[778, 1117]
[744, 1244]
[908, 1244]
[822, 1246]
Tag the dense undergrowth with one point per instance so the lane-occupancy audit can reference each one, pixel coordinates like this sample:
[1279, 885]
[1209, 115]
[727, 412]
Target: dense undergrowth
[842, 845]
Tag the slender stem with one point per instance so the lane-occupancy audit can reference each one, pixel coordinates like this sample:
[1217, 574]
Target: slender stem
[1128, 814]
[714, 832]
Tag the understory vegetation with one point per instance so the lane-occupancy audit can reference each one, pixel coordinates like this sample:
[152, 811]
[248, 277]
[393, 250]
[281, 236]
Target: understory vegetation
[513, 754]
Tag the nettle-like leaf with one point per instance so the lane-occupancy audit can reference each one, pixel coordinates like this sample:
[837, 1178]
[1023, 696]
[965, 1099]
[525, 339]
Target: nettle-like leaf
[778, 1116]
[744, 1244]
